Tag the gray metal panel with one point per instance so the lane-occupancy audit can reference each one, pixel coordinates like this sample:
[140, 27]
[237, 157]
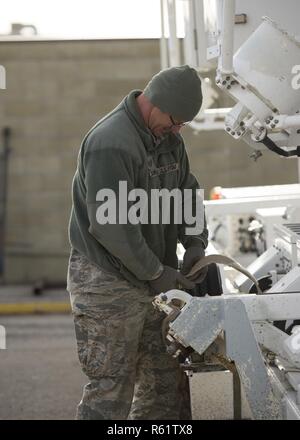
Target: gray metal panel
[200, 323]
[242, 347]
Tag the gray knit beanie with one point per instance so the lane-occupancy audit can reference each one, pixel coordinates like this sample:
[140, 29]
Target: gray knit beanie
[176, 91]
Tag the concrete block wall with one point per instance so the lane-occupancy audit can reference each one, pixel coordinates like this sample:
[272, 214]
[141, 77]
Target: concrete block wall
[217, 160]
[56, 90]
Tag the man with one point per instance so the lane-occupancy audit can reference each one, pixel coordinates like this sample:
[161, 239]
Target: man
[116, 268]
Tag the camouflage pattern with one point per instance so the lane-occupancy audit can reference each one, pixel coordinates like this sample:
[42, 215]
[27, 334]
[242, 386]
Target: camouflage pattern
[120, 348]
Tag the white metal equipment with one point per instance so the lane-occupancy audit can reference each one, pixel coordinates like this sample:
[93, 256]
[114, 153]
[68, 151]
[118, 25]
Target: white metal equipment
[253, 49]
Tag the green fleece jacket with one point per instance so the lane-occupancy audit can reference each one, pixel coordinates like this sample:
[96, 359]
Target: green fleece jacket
[121, 148]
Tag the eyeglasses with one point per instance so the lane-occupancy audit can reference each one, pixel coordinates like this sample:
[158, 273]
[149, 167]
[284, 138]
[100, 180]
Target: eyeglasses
[178, 125]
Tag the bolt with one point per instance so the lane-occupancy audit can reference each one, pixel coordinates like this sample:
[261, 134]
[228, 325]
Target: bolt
[217, 81]
[228, 87]
[261, 128]
[227, 128]
[223, 83]
[271, 117]
[271, 357]
[233, 133]
[239, 133]
[268, 121]
[243, 87]
[276, 121]
[164, 297]
[255, 155]
[233, 82]
[272, 125]
[227, 78]
[242, 123]
[257, 138]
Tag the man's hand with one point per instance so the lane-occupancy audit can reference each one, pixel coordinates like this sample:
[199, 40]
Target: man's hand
[170, 279]
[191, 256]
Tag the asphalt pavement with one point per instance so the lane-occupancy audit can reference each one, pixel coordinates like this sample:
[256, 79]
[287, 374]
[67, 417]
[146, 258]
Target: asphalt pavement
[40, 376]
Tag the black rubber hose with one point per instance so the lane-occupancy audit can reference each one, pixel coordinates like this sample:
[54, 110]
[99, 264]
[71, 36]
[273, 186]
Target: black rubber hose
[273, 147]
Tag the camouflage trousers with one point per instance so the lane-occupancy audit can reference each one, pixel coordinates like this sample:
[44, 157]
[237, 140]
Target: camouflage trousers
[120, 348]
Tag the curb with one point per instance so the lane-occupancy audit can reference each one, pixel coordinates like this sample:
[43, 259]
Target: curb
[34, 308]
